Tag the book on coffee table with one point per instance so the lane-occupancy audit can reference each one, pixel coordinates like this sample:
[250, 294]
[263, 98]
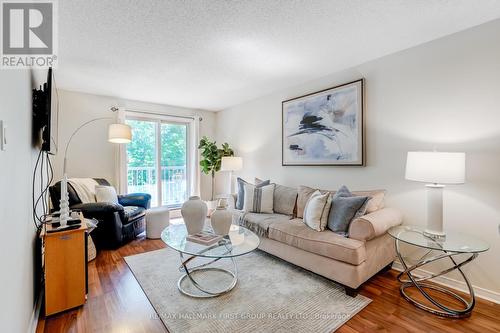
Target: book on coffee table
[204, 238]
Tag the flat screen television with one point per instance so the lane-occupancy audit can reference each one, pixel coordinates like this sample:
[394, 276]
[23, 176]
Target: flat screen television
[46, 113]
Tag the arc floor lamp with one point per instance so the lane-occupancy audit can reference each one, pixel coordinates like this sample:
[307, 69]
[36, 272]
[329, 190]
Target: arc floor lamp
[117, 133]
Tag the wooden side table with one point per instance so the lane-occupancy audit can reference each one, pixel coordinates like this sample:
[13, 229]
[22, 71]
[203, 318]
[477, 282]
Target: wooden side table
[452, 248]
[65, 268]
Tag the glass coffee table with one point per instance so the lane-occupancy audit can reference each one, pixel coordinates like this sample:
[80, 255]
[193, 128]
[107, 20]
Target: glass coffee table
[457, 249]
[205, 279]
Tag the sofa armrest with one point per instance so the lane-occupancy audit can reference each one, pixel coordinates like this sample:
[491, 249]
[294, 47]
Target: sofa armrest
[135, 199]
[374, 224]
[98, 207]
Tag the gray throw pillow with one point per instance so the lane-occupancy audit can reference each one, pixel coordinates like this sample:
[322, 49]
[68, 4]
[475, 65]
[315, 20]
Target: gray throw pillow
[345, 207]
[241, 191]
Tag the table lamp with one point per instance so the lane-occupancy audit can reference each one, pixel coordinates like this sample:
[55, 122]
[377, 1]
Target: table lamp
[231, 163]
[436, 169]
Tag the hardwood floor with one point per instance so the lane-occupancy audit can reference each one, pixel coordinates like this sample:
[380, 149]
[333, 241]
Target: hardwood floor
[116, 303]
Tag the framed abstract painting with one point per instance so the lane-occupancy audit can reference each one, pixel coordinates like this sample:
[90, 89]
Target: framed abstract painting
[325, 127]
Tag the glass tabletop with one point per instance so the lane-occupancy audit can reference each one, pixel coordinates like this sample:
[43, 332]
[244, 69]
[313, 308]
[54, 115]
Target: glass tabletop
[239, 241]
[453, 242]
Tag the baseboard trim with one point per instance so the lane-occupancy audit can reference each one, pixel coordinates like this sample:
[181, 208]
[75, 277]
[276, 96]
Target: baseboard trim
[36, 314]
[486, 294]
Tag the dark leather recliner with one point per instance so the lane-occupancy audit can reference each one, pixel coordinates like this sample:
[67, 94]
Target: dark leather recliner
[118, 223]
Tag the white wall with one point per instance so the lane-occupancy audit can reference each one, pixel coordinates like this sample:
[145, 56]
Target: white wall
[17, 246]
[91, 155]
[444, 94]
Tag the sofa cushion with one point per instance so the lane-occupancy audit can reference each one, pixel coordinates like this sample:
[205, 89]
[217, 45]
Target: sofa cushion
[284, 199]
[326, 243]
[258, 223]
[375, 203]
[131, 213]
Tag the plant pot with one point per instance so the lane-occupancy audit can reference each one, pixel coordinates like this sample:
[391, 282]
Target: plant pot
[194, 212]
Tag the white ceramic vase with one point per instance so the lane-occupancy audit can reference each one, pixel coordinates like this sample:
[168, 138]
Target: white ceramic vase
[221, 220]
[194, 212]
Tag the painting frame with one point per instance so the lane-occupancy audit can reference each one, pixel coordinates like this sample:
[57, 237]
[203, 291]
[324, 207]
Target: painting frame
[360, 126]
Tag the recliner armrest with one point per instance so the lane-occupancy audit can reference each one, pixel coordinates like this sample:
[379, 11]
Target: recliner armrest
[374, 224]
[98, 207]
[135, 199]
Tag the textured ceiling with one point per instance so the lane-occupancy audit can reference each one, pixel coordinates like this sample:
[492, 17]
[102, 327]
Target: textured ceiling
[213, 54]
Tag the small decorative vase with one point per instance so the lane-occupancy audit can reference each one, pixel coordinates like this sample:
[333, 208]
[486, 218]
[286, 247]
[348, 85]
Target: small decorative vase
[221, 219]
[194, 212]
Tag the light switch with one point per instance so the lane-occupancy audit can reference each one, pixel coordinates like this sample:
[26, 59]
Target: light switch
[3, 136]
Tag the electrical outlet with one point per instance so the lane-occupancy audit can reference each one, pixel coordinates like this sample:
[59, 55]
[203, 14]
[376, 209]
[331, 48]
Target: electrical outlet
[3, 136]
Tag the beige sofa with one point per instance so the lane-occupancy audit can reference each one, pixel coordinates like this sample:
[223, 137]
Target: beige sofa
[349, 260]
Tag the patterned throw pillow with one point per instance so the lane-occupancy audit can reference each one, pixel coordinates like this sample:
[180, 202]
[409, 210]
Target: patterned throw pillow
[258, 199]
[241, 192]
[345, 207]
[316, 210]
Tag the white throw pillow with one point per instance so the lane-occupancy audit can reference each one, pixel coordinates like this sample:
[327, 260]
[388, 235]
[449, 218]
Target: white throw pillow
[316, 210]
[106, 194]
[258, 199]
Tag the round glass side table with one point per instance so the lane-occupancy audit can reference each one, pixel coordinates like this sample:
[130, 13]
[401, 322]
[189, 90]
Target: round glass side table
[458, 248]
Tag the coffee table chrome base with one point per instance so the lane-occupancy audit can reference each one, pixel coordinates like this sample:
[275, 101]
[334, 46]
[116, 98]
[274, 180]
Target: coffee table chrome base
[421, 285]
[205, 293]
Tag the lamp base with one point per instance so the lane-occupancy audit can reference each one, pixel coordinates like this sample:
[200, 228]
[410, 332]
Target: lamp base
[434, 234]
[434, 228]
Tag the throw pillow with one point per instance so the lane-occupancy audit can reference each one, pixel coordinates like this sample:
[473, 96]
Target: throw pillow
[284, 199]
[240, 199]
[316, 211]
[345, 207]
[106, 194]
[304, 193]
[258, 199]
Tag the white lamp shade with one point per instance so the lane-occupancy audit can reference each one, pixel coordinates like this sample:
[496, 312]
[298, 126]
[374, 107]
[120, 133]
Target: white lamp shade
[231, 163]
[436, 167]
[119, 133]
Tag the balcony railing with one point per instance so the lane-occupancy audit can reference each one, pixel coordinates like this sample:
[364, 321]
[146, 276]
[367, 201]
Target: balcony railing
[173, 183]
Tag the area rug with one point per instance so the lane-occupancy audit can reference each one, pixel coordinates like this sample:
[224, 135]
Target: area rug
[270, 296]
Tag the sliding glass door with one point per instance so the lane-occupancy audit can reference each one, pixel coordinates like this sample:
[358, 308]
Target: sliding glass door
[173, 149]
[157, 160]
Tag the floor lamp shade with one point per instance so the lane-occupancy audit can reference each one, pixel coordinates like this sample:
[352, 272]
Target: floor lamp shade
[436, 169]
[231, 163]
[119, 133]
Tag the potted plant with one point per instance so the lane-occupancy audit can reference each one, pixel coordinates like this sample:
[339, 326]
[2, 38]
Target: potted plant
[211, 157]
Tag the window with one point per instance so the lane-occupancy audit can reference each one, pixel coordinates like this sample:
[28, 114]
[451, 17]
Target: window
[158, 160]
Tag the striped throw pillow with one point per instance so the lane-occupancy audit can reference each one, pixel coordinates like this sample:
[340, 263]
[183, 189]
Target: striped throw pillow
[258, 199]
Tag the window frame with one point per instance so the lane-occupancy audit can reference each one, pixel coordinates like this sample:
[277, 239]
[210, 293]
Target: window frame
[160, 119]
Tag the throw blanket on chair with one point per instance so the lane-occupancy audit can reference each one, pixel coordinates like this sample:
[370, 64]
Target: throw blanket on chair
[84, 188]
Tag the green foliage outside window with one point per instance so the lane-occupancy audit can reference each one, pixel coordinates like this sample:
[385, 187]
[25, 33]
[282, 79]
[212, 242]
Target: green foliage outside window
[141, 151]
